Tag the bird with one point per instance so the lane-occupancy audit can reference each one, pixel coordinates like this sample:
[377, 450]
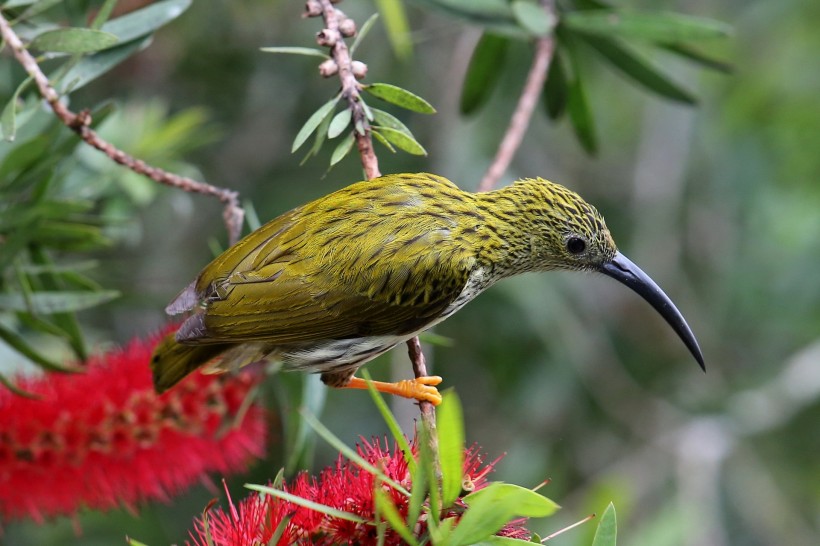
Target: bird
[334, 283]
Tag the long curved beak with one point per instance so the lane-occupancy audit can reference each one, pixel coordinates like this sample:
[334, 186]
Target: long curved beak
[623, 270]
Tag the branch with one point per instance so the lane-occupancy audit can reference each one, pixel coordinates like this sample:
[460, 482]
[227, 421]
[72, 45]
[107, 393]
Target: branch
[520, 120]
[81, 124]
[337, 27]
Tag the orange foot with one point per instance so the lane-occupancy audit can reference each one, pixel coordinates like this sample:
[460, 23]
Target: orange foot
[421, 388]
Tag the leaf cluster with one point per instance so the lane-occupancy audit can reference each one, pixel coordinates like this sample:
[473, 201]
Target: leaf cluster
[582, 30]
[55, 207]
[328, 122]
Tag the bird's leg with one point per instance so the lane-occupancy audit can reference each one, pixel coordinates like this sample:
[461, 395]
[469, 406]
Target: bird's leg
[420, 388]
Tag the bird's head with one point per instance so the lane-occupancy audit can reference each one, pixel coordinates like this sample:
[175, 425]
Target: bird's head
[565, 232]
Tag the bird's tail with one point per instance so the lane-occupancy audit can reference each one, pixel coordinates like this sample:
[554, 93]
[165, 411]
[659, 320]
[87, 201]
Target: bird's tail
[172, 361]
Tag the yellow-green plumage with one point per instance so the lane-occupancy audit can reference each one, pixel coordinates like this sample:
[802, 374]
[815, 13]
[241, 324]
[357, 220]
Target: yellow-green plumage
[338, 281]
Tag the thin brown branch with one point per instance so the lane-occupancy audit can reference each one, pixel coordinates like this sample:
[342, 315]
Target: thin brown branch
[81, 124]
[520, 120]
[332, 36]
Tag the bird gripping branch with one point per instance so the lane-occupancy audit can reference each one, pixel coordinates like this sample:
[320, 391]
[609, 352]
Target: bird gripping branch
[334, 283]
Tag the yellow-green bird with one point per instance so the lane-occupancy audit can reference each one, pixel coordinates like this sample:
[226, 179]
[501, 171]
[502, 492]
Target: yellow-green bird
[334, 283]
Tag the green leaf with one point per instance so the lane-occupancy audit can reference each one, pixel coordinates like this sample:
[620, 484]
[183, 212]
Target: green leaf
[493, 15]
[296, 51]
[401, 140]
[146, 20]
[528, 503]
[386, 509]
[555, 88]
[74, 40]
[93, 66]
[483, 72]
[383, 140]
[607, 531]
[295, 499]
[450, 425]
[103, 14]
[342, 149]
[639, 69]
[400, 97]
[134, 542]
[55, 301]
[652, 26]
[10, 385]
[490, 508]
[364, 31]
[384, 119]
[302, 442]
[8, 119]
[579, 113]
[698, 57]
[351, 454]
[392, 424]
[398, 30]
[313, 122]
[16, 342]
[339, 123]
[533, 17]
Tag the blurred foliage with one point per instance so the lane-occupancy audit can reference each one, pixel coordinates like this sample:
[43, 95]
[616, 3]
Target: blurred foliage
[573, 377]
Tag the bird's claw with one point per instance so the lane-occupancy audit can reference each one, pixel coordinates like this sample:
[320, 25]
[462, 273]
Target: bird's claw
[421, 388]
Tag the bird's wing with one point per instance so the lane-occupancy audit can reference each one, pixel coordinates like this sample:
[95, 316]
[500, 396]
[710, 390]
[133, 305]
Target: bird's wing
[333, 270]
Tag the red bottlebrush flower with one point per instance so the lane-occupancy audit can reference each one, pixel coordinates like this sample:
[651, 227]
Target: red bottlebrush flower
[343, 486]
[102, 438]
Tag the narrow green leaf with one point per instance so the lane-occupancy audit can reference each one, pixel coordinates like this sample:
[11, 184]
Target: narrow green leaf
[436, 339]
[383, 140]
[418, 493]
[301, 444]
[640, 70]
[74, 40]
[386, 508]
[280, 530]
[698, 57]
[351, 454]
[384, 119]
[364, 31]
[313, 122]
[134, 542]
[339, 123]
[146, 20]
[390, 421]
[16, 342]
[401, 140]
[493, 506]
[528, 503]
[17, 3]
[93, 66]
[319, 138]
[35, 8]
[555, 88]
[398, 29]
[54, 301]
[493, 15]
[652, 26]
[579, 112]
[103, 14]
[295, 499]
[342, 149]
[483, 72]
[10, 385]
[607, 531]
[400, 97]
[450, 425]
[8, 119]
[296, 51]
[533, 17]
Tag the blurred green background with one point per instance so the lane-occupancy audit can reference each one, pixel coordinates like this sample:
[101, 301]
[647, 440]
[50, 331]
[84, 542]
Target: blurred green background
[573, 377]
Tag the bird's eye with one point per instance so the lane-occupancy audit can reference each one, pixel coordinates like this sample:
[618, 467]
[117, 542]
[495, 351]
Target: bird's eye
[576, 245]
